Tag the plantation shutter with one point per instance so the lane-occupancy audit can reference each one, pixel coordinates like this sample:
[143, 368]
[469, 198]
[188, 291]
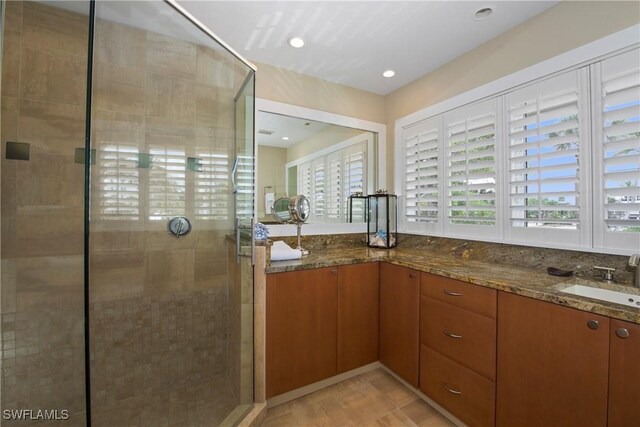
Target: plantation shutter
[545, 125]
[421, 186]
[244, 181]
[618, 151]
[167, 182]
[471, 169]
[211, 199]
[304, 180]
[119, 182]
[333, 190]
[318, 197]
[353, 165]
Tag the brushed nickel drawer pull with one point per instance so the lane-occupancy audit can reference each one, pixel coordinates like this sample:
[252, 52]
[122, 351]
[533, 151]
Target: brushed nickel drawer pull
[451, 293]
[450, 390]
[450, 335]
[412, 275]
[622, 333]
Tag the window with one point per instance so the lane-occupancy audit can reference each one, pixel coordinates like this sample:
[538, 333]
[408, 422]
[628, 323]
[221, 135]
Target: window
[211, 198]
[552, 162]
[328, 180]
[617, 151]
[422, 200]
[119, 182]
[471, 170]
[545, 152]
[167, 183]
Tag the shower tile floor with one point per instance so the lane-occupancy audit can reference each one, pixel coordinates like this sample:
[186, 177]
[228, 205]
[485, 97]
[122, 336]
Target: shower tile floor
[203, 404]
[374, 398]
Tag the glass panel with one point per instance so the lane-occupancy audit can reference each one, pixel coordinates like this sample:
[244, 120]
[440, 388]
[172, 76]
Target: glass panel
[43, 113]
[165, 326]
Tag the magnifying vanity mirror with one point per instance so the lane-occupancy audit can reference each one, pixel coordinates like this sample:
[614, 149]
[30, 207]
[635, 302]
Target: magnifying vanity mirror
[293, 210]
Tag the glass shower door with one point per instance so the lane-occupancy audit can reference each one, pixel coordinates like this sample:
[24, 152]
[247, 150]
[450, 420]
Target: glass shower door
[241, 263]
[165, 324]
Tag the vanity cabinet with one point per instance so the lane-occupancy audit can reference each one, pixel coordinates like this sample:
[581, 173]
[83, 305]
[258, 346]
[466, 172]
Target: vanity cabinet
[302, 312]
[358, 315]
[624, 374]
[458, 347]
[553, 364]
[399, 320]
[320, 322]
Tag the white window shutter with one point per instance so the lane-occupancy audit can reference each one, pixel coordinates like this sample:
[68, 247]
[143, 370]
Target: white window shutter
[471, 171]
[548, 130]
[354, 167]
[616, 90]
[211, 201]
[167, 183]
[119, 182]
[333, 201]
[318, 197]
[422, 198]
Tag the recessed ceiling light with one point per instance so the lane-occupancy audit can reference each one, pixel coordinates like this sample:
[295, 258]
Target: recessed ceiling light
[296, 42]
[483, 13]
[285, 138]
[389, 73]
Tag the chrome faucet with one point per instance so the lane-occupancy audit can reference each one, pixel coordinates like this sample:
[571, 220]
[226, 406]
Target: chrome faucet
[634, 261]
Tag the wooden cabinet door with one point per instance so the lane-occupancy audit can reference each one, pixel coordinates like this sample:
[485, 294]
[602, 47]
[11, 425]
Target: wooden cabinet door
[301, 328]
[552, 367]
[624, 374]
[399, 320]
[358, 314]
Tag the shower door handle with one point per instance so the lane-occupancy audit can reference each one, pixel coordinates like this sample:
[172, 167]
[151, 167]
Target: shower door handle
[234, 169]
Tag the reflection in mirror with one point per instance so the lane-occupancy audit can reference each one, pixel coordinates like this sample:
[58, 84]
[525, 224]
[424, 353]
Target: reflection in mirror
[327, 163]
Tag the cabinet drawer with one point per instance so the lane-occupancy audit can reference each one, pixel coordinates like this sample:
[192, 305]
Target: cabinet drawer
[467, 395]
[464, 336]
[461, 294]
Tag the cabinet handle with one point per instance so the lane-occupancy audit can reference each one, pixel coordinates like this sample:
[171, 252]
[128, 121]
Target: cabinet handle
[622, 333]
[334, 270]
[593, 324]
[451, 390]
[451, 293]
[412, 275]
[450, 335]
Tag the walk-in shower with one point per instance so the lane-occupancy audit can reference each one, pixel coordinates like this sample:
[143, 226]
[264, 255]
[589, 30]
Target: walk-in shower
[118, 117]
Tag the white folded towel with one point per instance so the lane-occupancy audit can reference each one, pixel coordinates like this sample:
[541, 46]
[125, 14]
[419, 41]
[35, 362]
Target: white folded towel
[280, 251]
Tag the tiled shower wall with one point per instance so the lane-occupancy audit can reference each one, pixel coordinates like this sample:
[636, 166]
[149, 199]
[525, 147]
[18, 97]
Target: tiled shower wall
[43, 104]
[158, 305]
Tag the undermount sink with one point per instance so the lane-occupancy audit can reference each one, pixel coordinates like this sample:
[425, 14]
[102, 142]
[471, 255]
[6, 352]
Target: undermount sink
[629, 297]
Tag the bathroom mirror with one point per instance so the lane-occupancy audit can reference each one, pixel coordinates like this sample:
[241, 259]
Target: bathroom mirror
[325, 162]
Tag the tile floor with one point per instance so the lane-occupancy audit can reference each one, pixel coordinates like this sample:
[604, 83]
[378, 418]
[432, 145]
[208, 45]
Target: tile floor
[374, 398]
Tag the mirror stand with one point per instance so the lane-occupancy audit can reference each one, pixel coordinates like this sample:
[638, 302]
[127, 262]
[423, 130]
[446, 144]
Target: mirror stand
[300, 248]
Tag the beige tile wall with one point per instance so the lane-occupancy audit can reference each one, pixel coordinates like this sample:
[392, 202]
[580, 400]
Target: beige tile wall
[43, 104]
[159, 309]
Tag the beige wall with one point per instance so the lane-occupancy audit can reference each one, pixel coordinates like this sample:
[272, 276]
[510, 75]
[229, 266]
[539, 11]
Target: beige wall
[321, 140]
[561, 28]
[277, 84]
[271, 171]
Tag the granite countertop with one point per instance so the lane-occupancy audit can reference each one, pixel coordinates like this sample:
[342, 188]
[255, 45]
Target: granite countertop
[527, 282]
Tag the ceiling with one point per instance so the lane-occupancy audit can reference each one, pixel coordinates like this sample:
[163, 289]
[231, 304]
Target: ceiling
[294, 128]
[353, 42]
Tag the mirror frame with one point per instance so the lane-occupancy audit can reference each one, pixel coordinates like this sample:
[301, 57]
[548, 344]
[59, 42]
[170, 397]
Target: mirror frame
[380, 129]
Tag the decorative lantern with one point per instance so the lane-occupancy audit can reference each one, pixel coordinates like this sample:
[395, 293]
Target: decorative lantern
[357, 207]
[382, 220]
